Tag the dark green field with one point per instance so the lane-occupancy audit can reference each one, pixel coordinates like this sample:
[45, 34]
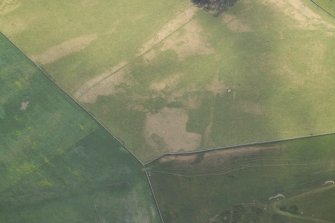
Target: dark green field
[207, 185]
[56, 163]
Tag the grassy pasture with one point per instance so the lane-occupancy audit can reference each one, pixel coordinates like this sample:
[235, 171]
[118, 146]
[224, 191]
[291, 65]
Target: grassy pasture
[272, 75]
[261, 71]
[318, 203]
[56, 163]
[120, 28]
[207, 186]
[328, 5]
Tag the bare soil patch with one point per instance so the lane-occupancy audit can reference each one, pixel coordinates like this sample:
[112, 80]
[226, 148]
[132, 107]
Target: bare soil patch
[166, 130]
[24, 105]
[104, 84]
[189, 41]
[169, 28]
[64, 49]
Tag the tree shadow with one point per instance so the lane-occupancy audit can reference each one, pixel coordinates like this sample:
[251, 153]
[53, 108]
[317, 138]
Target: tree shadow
[215, 7]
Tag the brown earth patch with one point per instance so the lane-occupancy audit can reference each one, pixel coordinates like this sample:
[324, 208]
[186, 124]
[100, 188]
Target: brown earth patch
[166, 130]
[189, 41]
[64, 49]
[169, 28]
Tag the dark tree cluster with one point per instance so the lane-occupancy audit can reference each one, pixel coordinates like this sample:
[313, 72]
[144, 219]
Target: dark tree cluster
[214, 6]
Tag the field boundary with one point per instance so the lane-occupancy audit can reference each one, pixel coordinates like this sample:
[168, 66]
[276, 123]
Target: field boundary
[234, 146]
[323, 9]
[136, 57]
[153, 195]
[45, 73]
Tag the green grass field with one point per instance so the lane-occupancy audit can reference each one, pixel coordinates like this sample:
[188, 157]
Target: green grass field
[328, 5]
[257, 72]
[317, 203]
[239, 182]
[56, 163]
[166, 76]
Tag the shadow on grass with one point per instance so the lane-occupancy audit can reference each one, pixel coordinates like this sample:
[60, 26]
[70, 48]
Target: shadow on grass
[215, 7]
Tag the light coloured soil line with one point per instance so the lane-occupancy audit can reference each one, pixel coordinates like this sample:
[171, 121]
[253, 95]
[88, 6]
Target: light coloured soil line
[188, 41]
[64, 49]
[296, 9]
[169, 28]
[103, 84]
[86, 93]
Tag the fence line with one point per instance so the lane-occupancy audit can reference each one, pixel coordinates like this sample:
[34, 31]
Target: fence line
[154, 196]
[235, 146]
[91, 116]
[51, 79]
[323, 9]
